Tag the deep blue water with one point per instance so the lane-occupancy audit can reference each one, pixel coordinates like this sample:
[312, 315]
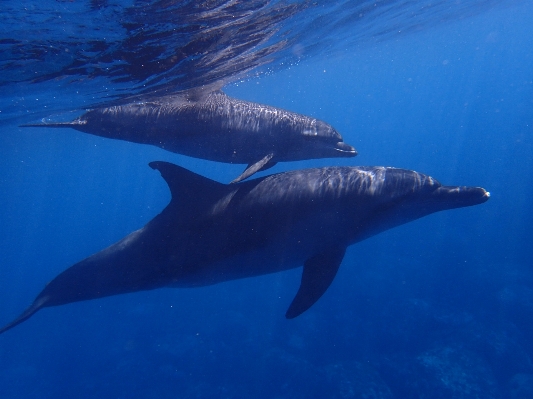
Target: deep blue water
[438, 308]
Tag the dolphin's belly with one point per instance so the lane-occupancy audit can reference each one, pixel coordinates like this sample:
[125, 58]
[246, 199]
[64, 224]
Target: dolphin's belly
[275, 257]
[205, 142]
[228, 147]
[244, 265]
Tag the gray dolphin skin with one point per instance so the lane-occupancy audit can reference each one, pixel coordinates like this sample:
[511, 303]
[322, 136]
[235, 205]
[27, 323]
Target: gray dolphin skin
[218, 128]
[212, 232]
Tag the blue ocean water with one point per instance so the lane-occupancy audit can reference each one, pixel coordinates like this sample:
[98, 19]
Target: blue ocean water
[438, 308]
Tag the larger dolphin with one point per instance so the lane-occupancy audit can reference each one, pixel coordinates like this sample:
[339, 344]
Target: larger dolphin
[212, 232]
[218, 128]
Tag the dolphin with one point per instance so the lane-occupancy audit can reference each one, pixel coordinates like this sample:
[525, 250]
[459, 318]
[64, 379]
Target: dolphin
[218, 128]
[212, 232]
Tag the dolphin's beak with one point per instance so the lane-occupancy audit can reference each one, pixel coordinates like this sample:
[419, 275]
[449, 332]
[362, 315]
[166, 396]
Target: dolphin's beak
[346, 149]
[457, 197]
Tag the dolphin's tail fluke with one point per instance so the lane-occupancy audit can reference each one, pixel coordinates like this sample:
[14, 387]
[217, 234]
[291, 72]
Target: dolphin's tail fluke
[38, 304]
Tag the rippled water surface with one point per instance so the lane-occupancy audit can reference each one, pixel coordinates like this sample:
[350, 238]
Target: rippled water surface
[99, 51]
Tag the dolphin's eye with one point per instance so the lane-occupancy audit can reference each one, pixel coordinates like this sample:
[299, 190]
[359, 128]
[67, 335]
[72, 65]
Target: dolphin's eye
[327, 132]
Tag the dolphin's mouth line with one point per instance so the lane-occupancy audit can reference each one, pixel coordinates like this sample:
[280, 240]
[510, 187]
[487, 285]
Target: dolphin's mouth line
[341, 146]
[343, 150]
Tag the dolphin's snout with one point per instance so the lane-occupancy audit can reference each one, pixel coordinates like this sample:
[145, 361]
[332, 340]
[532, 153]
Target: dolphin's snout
[460, 196]
[346, 149]
[474, 194]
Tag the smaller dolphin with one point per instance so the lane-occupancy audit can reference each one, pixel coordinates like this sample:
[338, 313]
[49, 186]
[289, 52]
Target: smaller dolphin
[212, 232]
[218, 128]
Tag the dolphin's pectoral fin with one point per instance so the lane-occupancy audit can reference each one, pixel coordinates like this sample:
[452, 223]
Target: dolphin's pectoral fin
[319, 271]
[252, 168]
[268, 165]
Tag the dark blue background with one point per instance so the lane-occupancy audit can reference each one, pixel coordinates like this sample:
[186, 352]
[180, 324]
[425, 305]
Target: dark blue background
[439, 308]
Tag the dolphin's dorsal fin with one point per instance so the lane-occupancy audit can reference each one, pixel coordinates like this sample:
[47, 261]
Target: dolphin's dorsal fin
[263, 164]
[318, 273]
[198, 93]
[186, 187]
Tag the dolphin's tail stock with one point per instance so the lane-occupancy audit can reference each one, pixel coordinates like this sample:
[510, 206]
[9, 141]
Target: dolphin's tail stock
[38, 304]
[72, 124]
